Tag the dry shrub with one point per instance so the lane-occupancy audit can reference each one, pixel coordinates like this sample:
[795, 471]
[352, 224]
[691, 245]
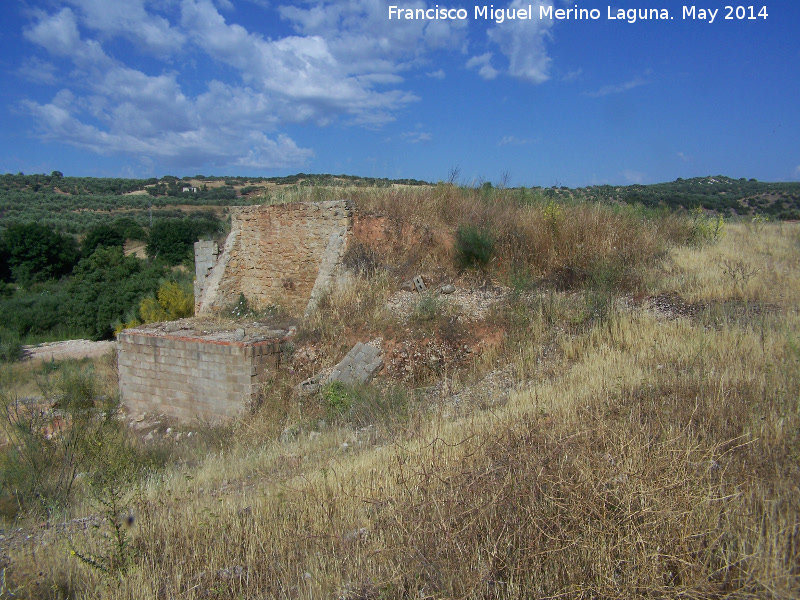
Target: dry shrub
[354, 303]
[569, 244]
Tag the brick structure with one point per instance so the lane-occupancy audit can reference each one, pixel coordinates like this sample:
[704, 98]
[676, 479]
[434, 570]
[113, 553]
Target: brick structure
[282, 254]
[189, 372]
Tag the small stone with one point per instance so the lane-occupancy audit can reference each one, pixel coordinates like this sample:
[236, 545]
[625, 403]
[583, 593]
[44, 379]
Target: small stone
[448, 288]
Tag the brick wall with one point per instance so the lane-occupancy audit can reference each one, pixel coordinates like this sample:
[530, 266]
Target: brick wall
[275, 255]
[189, 377]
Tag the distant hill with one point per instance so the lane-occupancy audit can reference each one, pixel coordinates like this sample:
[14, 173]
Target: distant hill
[718, 193]
[74, 204]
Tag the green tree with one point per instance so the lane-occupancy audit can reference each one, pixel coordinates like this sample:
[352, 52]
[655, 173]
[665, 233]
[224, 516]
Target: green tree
[101, 235]
[34, 252]
[106, 286]
[172, 240]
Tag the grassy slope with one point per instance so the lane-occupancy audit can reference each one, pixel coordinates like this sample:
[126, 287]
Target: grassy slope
[640, 455]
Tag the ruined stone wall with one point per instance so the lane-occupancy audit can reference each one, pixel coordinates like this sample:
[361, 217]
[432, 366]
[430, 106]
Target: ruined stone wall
[206, 255]
[189, 377]
[281, 254]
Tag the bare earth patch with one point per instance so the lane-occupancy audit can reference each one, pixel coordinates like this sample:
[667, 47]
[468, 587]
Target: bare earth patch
[71, 349]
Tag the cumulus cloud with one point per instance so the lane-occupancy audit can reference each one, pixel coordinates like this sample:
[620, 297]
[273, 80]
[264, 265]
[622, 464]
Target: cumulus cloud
[150, 32]
[361, 36]
[438, 74]
[344, 62]
[523, 43]
[38, 70]
[484, 65]
[126, 129]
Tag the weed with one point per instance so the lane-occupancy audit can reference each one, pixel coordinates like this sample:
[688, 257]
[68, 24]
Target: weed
[428, 308]
[361, 259]
[475, 246]
[739, 272]
[338, 398]
[707, 228]
[10, 346]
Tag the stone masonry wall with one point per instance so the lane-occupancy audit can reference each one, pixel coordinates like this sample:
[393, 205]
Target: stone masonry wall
[192, 378]
[206, 255]
[280, 254]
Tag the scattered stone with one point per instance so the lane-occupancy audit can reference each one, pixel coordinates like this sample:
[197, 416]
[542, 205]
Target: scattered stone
[359, 366]
[448, 288]
[415, 284]
[309, 386]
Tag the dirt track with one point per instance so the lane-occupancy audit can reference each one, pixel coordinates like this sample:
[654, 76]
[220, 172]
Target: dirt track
[69, 349]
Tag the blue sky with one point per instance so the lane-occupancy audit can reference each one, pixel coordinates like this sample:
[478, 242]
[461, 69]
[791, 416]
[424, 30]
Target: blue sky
[142, 88]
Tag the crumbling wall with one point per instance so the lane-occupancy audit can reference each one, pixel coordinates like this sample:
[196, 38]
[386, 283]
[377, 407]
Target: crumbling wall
[190, 377]
[281, 254]
[206, 255]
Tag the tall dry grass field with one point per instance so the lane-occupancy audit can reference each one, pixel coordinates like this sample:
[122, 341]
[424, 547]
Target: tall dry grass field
[652, 450]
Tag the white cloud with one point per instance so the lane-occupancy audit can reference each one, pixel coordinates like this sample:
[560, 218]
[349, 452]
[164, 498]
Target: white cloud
[684, 157]
[512, 140]
[797, 171]
[571, 76]
[150, 32]
[361, 36]
[344, 61]
[523, 43]
[301, 73]
[416, 137]
[607, 90]
[126, 129]
[634, 176]
[324, 73]
[113, 109]
[57, 33]
[38, 70]
[484, 65]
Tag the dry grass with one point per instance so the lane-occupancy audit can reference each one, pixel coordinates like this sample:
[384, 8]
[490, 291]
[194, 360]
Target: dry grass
[646, 456]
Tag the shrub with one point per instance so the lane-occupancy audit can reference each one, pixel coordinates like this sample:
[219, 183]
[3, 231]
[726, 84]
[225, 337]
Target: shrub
[34, 252]
[360, 259]
[428, 308]
[54, 439]
[474, 246]
[105, 287]
[10, 346]
[101, 236]
[171, 240]
[172, 301]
